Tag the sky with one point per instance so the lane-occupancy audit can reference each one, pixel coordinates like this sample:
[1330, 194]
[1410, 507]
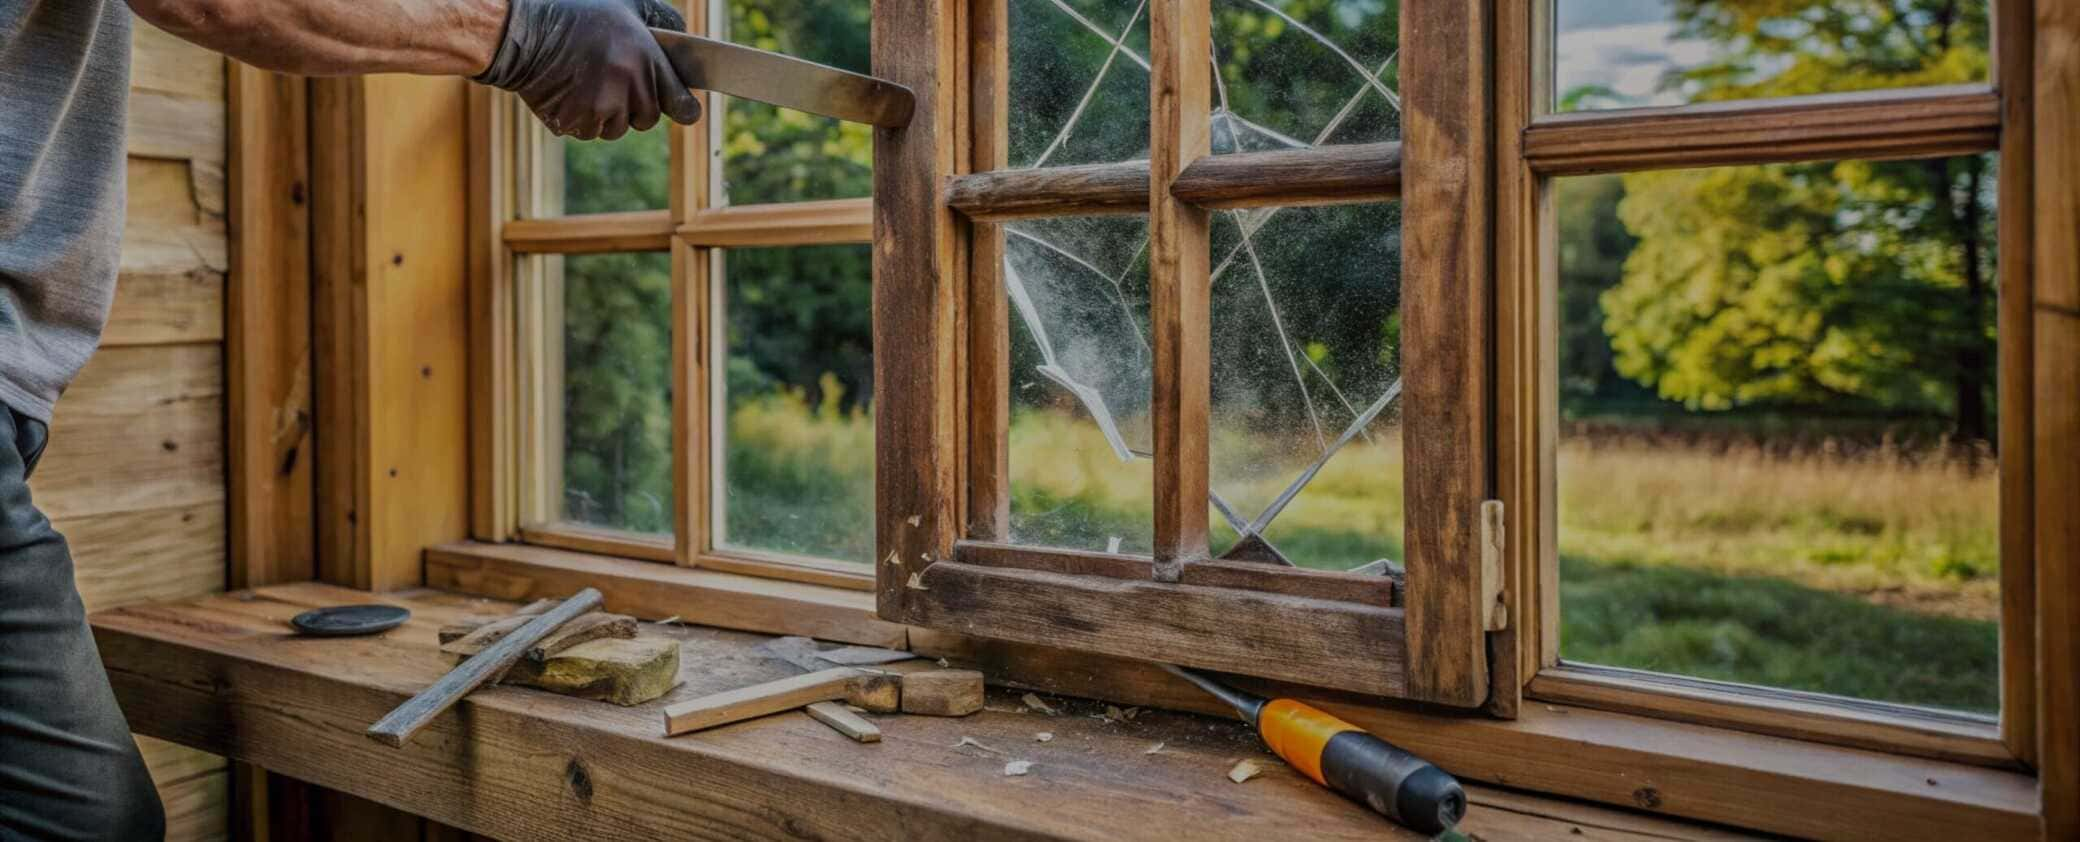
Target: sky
[1624, 45]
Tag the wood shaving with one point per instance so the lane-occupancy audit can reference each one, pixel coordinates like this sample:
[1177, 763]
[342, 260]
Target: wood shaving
[892, 561]
[1114, 714]
[1244, 770]
[669, 621]
[971, 741]
[943, 664]
[917, 582]
[1016, 768]
[916, 520]
[1039, 704]
[1043, 736]
[1153, 749]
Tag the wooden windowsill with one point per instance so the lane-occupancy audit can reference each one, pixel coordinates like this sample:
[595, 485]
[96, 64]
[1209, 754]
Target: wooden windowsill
[1767, 783]
[224, 674]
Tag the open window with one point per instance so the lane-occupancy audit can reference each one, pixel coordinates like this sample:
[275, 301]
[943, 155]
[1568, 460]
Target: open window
[1183, 317]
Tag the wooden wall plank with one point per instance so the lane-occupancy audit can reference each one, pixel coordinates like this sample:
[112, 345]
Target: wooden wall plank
[142, 428]
[198, 808]
[147, 555]
[268, 355]
[1445, 280]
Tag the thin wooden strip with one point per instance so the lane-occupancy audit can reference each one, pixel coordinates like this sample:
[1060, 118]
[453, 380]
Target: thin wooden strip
[1180, 132]
[762, 699]
[493, 409]
[1292, 581]
[793, 224]
[655, 591]
[590, 233]
[592, 539]
[850, 575]
[2055, 445]
[1337, 644]
[1082, 190]
[1926, 122]
[1324, 175]
[1837, 721]
[397, 727]
[844, 721]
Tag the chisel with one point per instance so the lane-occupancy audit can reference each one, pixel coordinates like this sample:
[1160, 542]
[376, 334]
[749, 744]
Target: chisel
[1336, 754]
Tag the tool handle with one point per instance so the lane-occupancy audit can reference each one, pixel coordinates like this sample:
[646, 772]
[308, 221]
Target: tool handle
[1365, 768]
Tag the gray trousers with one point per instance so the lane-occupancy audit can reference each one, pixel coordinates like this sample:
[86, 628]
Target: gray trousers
[68, 767]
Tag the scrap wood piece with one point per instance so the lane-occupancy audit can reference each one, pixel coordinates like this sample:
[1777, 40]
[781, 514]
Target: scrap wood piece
[871, 690]
[587, 627]
[1244, 770]
[1017, 768]
[1034, 702]
[942, 692]
[398, 726]
[864, 656]
[623, 672]
[844, 721]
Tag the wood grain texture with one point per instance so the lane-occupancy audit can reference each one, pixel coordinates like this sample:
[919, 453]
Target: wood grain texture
[397, 727]
[988, 364]
[147, 554]
[1080, 190]
[791, 224]
[1180, 94]
[1668, 769]
[2014, 54]
[267, 354]
[1445, 277]
[590, 233]
[920, 269]
[1831, 720]
[1924, 122]
[765, 699]
[2056, 442]
[1339, 644]
[493, 404]
[1323, 175]
[655, 591]
[1292, 581]
[142, 428]
[392, 273]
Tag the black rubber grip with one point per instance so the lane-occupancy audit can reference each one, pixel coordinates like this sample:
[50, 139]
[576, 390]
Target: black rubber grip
[1394, 783]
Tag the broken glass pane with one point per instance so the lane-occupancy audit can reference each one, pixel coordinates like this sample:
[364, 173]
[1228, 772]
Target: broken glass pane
[1306, 306]
[1294, 74]
[1079, 82]
[1080, 375]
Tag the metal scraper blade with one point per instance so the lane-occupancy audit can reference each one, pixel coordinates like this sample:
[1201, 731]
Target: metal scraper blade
[710, 65]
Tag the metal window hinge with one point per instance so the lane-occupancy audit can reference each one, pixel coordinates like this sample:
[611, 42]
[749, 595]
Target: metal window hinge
[1492, 560]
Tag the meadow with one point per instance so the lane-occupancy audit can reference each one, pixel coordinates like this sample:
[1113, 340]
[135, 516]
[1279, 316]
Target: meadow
[1869, 574]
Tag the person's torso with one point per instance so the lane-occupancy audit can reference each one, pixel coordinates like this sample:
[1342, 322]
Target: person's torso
[64, 81]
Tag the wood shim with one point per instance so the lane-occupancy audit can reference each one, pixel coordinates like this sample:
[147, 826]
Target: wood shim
[844, 721]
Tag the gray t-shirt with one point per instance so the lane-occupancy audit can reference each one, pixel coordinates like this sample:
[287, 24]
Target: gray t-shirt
[64, 83]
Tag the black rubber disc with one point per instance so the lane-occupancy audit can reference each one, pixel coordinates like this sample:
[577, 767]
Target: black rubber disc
[350, 620]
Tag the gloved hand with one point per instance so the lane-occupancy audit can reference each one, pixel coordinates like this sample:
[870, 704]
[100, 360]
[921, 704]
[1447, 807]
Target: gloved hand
[590, 68]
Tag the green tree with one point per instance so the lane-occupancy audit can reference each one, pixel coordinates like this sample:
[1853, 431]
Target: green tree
[1815, 283]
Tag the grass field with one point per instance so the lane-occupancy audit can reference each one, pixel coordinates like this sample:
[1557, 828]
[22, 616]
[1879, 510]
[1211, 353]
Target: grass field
[1870, 576]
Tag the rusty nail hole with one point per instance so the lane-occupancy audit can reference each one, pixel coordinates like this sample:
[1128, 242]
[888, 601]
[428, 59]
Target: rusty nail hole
[575, 774]
[1647, 797]
[170, 445]
[393, 472]
[397, 259]
[426, 371]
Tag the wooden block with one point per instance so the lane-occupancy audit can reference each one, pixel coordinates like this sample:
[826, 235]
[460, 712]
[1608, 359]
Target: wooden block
[844, 721]
[942, 692]
[765, 699]
[624, 672]
[880, 692]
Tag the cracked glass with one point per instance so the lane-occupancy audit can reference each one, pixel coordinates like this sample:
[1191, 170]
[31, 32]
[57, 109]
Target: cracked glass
[1305, 302]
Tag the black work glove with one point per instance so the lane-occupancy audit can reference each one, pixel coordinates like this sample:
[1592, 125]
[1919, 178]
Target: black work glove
[590, 68]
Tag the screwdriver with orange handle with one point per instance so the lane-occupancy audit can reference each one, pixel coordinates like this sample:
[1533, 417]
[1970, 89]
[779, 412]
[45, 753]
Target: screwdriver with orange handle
[1341, 756]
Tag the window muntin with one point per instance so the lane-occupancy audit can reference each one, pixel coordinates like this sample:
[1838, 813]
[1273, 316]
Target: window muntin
[1637, 53]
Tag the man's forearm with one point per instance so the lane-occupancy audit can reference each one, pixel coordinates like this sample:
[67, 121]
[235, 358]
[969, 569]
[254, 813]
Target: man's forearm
[340, 37]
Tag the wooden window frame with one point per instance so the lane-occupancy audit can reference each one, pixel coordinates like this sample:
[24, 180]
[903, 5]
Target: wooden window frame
[941, 335]
[514, 459]
[1537, 146]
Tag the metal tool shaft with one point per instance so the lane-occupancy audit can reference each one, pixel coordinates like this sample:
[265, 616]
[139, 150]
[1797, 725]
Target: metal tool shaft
[710, 65]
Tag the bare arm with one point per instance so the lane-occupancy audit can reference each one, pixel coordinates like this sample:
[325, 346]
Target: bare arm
[338, 37]
[588, 68]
